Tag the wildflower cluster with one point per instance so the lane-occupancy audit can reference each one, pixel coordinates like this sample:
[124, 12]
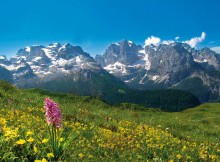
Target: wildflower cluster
[54, 118]
[23, 137]
[53, 114]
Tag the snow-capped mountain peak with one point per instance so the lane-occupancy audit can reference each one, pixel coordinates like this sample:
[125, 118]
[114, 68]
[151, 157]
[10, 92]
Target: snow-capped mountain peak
[148, 67]
[162, 65]
[41, 62]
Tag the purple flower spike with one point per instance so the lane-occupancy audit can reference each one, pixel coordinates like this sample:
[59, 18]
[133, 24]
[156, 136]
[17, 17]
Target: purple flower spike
[53, 114]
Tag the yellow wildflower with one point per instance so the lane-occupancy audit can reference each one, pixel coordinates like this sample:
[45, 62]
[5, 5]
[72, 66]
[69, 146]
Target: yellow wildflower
[45, 140]
[90, 156]
[35, 149]
[2, 121]
[50, 155]
[29, 133]
[61, 139]
[179, 156]
[81, 155]
[184, 148]
[213, 157]
[20, 142]
[30, 139]
[9, 133]
[44, 160]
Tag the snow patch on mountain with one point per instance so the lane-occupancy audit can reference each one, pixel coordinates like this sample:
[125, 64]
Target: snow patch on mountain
[130, 80]
[50, 61]
[116, 68]
[2, 58]
[28, 49]
[117, 44]
[142, 80]
[200, 60]
[145, 58]
[48, 52]
[155, 77]
[130, 43]
[11, 67]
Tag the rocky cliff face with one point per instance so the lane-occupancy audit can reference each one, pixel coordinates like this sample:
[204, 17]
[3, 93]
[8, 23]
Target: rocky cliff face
[207, 58]
[162, 66]
[61, 66]
[170, 63]
[125, 52]
[124, 60]
[5, 74]
[167, 64]
[42, 64]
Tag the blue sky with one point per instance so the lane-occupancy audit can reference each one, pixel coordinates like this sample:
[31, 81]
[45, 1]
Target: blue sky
[94, 24]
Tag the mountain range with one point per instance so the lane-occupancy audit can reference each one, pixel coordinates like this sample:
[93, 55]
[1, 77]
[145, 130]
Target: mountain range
[174, 65]
[124, 68]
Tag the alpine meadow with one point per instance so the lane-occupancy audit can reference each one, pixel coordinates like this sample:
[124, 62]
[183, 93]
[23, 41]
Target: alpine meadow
[109, 81]
[93, 130]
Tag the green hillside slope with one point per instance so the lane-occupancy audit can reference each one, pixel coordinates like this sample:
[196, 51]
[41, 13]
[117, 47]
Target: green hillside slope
[95, 131]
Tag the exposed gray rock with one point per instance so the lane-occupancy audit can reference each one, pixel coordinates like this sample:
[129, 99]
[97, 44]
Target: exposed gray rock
[149, 67]
[162, 66]
[100, 60]
[125, 52]
[207, 58]
[173, 61]
[68, 51]
[41, 64]
[5, 74]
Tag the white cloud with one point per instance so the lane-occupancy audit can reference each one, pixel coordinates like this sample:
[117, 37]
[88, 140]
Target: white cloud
[176, 38]
[216, 49]
[152, 40]
[194, 41]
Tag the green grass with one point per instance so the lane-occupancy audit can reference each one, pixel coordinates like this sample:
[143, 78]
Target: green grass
[200, 125]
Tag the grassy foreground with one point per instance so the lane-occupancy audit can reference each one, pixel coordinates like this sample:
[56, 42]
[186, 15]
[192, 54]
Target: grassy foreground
[95, 131]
